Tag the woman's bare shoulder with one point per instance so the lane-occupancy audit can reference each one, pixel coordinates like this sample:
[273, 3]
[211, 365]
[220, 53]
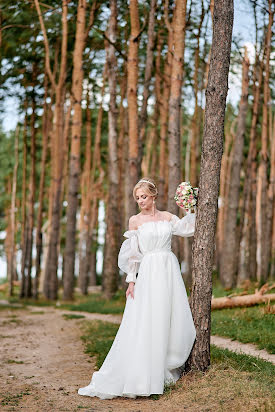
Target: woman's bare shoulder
[133, 222]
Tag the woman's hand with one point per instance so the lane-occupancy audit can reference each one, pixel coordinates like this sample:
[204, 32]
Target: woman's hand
[130, 290]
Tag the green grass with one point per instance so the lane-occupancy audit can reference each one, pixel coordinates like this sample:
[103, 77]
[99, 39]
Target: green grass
[73, 316]
[13, 400]
[98, 338]
[96, 303]
[15, 361]
[261, 371]
[218, 291]
[258, 374]
[247, 325]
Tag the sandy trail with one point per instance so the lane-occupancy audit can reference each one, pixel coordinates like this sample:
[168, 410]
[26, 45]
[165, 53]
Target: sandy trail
[42, 365]
[51, 365]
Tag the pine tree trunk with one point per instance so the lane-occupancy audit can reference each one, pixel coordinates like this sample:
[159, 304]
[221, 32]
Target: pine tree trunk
[110, 284]
[73, 184]
[122, 150]
[223, 198]
[30, 203]
[271, 193]
[228, 269]
[147, 79]
[23, 204]
[195, 124]
[246, 270]
[50, 287]
[212, 148]
[132, 73]
[262, 229]
[51, 282]
[45, 134]
[164, 110]
[93, 243]
[12, 268]
[85, 210]
[174, 122]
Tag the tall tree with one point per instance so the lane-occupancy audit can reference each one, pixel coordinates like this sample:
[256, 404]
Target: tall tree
[31, 197]
[12, 265]
[57, 142]
[110, 279]
[262, 229]
[45, 134]
[73, 184]
[147, 77]
[195, 126]
[174, 122]
[228, 268]
[212, 148]
[247, 255]
[132, 75]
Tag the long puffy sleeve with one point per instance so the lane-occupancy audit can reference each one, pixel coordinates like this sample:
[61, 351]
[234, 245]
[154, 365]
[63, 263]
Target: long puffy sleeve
[185, 226]
[129, 256]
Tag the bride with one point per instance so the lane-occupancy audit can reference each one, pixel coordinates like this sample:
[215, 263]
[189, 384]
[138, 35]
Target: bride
[157, 332]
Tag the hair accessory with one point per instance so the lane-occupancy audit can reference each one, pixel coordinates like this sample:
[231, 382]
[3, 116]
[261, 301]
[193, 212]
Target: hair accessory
[146, 181]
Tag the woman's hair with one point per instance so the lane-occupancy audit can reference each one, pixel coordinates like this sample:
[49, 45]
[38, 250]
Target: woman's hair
[148, 185]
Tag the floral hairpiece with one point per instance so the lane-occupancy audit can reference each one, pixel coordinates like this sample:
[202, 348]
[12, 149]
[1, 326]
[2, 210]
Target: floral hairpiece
[147, 181]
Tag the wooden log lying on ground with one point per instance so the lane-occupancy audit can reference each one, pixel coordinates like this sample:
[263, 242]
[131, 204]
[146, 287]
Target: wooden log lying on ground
[239, 301]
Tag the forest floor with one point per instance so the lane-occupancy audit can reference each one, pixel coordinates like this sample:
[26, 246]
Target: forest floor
[43, 364]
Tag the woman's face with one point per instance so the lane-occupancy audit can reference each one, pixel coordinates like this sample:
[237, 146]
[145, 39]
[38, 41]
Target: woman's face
[144, 200]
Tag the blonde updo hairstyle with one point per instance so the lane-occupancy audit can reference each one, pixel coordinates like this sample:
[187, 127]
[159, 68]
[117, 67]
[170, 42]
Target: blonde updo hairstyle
[148, 185]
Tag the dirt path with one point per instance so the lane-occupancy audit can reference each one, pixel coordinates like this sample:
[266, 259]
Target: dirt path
[224, 343]
[238, 347]
[42, 365]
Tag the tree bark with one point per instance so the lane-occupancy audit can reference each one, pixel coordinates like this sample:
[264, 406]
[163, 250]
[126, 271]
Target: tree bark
[85, 211]
[12, 266]
[174, 122]
[23, 203]
[132, 74]
[164, 110]
[195, 120]
[247, 259]
[110, 278]
[212, 148]
[271, 195]
[73, 184]
[228, 268]
[30, 201]
[45, 134]
[50, 288]
[147, 78]
[262, 229]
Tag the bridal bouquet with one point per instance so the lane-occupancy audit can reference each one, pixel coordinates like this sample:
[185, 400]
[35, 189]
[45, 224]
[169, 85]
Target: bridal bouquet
[186, 196]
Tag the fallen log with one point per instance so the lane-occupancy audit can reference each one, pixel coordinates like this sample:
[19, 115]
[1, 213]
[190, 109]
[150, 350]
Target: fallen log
[240, 301]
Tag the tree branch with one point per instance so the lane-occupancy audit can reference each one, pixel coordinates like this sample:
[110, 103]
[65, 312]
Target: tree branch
[46, 43]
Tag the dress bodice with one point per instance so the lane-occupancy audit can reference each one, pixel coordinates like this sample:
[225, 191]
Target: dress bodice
[153, 236]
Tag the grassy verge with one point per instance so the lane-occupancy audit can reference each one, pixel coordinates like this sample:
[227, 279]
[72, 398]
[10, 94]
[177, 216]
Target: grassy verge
[231, 379]
[247, 325]
[96, 303]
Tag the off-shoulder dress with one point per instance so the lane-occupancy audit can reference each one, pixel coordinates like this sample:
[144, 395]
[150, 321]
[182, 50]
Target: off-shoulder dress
[157, 331]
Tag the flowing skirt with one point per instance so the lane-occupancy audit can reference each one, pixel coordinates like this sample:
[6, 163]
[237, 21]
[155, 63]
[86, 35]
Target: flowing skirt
[155, 336]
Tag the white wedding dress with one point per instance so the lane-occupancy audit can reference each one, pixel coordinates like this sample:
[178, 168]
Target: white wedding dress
[157, 332]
